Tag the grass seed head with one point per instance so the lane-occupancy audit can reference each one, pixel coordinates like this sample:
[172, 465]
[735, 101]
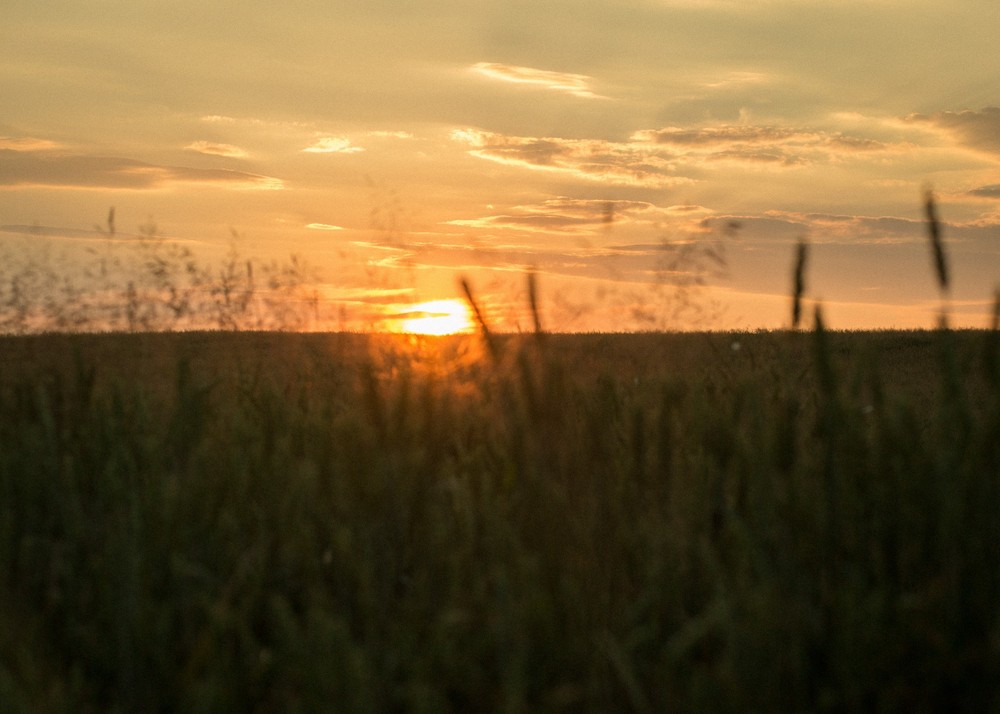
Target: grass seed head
[533, 300]
[799, 280]
[480, 320]
[937, 245]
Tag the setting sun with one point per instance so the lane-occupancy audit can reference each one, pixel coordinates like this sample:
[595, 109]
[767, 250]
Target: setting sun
[437, 317]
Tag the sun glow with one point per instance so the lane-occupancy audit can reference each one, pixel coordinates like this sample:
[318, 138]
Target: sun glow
[437, 317]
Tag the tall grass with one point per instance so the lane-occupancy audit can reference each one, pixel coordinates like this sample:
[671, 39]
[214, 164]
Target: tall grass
[530, 535]
[581, 523]
[145, 282]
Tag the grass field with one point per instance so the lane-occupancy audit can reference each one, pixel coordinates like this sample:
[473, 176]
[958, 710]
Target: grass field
[691, 522]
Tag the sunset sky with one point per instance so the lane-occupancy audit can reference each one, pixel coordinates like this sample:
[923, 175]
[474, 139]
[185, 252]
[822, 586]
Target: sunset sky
[613, 146]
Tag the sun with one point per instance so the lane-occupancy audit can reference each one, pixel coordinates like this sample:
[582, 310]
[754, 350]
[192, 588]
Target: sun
[437, 317]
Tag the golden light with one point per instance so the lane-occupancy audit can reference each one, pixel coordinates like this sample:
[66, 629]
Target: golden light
[437, 317]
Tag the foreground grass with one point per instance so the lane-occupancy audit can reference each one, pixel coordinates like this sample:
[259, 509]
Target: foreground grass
[587, 523]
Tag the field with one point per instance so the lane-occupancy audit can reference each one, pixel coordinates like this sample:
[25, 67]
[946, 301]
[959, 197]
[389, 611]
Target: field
[796, 521]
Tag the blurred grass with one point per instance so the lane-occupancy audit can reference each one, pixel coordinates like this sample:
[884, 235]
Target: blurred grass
[686, 522]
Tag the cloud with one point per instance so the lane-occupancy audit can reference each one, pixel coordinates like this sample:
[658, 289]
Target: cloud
[213, 149]
[562, 215]
[22, 169]
[245, 121]
[522, 222]
[649, 264]
[785, 227]
[577, 85]
[26, 143]
[367, 295]
[219, 119]
[761, 144]
[738, 79]
[333, 145]
[383, 134]
[894, 261]
[714, 136]
[979, 130]
[49, 232]
[324, 227]
[97, 234]
[986, 191]
[658, 158]
[752, 156]
[590, 159]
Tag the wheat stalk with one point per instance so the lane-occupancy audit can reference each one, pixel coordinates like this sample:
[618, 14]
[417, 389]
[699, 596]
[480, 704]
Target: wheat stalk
[483, 327]
[799, 280]
[937, 245]
[533, 300]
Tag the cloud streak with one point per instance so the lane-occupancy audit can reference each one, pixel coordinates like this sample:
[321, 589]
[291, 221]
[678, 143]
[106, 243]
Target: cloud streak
[214, 149]
[784, 227]
[26, 143]
[986, 191]
[576, 85]
[29, 169]
[333, 145]
[589, 159]
[977, 130]
[658, 158]
[566, 215]
[761, 144]
[324, 227]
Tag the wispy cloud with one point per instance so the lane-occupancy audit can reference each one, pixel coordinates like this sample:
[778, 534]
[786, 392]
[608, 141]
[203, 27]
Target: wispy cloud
[979, 130]
[384, 134]
[249, 121]
[91, 235]
[762, 144]
[215, 149]
[26, 143]
[565, 215]
[657, 158]
[646, 264]
[368, 295]
[333, 145]
[577, 85]
[784, 227]
[590, 159]
[738, 79]
[986, 191]
[22, 169]
[222, 119]
[39, 231]
[324, 227]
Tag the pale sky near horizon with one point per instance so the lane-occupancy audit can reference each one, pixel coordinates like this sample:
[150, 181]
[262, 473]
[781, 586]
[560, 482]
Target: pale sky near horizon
[400, 145]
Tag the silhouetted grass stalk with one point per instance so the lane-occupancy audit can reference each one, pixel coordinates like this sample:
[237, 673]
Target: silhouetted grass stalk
[533, 302]
[938, 253]
[484, 328]
[799, 281]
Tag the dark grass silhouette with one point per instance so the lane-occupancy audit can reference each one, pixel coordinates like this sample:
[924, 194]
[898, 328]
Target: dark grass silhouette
[648, 522]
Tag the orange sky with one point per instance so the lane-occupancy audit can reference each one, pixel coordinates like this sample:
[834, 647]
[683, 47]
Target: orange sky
[654, 161]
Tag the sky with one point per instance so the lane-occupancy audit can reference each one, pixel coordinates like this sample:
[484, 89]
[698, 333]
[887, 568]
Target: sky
[652, 163]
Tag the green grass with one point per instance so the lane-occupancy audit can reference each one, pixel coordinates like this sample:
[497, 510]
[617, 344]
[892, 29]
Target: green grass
[260, 522]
